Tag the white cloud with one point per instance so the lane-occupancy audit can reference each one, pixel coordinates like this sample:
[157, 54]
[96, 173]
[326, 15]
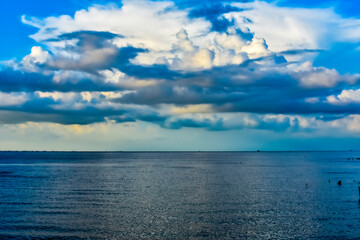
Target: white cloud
[296, 28]
[313, 77]
[12, 99]
[174, 39]
[164, 29]
[117, 77]
[220, 49]
[346, 96]
[148, 24]
[350, 123]
[37, 56]
[167, 32]
[56, 96]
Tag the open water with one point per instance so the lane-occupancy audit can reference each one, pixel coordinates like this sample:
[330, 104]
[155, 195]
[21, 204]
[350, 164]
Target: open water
[179, 195]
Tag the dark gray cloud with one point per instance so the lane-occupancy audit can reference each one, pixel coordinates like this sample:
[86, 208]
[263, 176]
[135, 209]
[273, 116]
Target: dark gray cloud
[257, 92]
[97, 52]
[300, 51]
[220, 123]
[213, 13]
[41, 110]
[184, 4]
[18, 81]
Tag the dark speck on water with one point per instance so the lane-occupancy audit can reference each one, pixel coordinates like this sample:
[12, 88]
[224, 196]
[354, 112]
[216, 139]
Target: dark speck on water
[179, 195]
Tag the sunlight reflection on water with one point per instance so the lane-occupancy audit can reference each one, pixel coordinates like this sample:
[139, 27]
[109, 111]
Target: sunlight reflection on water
[192, 195]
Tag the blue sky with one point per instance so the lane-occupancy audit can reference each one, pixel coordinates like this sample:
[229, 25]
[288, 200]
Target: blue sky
[18, 33]
[180, 75]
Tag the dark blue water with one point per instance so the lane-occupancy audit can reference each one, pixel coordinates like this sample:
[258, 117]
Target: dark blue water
[246, 195]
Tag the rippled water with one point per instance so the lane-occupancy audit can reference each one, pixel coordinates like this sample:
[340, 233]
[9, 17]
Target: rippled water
[191, 195]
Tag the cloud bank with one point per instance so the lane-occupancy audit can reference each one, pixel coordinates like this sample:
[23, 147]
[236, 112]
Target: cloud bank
[218, 66]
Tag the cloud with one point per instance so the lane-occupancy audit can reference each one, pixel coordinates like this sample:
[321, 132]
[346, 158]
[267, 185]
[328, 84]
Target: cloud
[214, 14]
[217, 66]
[345, 97]
[147, 24]
[12, 99]
[287, 28]
[215, 122]
[63, 80]
[31, 62]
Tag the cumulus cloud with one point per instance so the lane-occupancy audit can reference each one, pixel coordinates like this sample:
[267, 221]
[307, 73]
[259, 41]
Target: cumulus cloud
[221, 66]
[12, 99]
[296, 28]
[145, 24]
[37, 57]
[345, 97]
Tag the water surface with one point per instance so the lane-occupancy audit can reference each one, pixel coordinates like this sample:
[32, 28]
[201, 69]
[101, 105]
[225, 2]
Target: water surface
[179, 195]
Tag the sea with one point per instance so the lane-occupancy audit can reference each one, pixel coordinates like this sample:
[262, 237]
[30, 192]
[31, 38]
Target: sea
[179, 195]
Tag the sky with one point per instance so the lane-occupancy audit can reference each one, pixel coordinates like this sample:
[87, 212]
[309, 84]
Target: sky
[141, 75]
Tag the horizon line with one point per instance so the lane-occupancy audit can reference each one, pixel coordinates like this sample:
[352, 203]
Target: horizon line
[167, 151]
